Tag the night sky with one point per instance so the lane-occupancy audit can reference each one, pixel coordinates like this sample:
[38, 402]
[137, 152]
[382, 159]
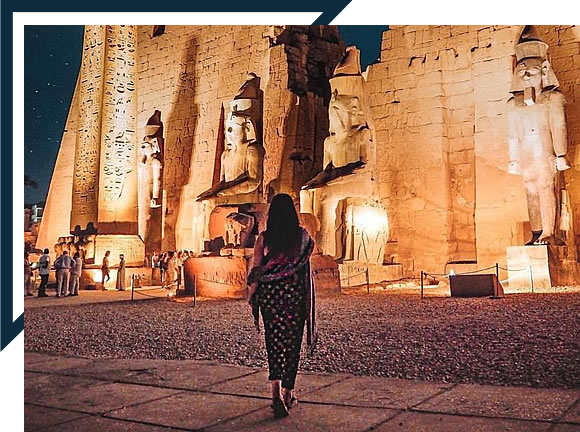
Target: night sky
[51, 63]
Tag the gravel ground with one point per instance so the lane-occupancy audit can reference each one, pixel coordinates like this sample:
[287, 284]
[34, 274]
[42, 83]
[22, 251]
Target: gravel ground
[530, 340]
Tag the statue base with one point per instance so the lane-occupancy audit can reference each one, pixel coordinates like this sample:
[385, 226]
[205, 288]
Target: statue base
[325, 273]
[528, 269]
[548, 266]
[217, 276]
[354, 273]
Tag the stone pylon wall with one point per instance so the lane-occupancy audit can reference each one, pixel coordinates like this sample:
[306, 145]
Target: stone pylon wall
[189, 72]
[438, 96]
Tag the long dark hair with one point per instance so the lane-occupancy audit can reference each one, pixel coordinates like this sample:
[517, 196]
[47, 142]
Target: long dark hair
[282, 235]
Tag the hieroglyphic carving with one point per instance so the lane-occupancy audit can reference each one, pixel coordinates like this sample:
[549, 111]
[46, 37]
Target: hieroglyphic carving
[119, 110]
[87, 148]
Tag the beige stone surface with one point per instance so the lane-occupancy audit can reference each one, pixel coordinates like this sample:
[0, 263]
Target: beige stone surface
[325, 273]
[369, 392]
[354, 273]
[511, 402]
[414, 422]
[525, 263]
[219, 276]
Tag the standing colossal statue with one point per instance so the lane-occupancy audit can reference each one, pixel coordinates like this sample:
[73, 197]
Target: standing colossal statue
[537, 135]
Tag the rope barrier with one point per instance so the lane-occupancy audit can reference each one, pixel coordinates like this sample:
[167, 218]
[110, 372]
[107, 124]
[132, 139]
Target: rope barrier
[149, 295]
[222, 283]
[346, 279]
[514, 270]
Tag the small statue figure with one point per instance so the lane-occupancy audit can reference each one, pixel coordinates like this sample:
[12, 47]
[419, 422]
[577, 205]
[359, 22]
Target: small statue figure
[239, 228]
[537, 134]
[242, 160]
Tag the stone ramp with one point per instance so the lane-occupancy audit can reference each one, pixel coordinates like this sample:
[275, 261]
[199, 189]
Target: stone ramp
[73, 393]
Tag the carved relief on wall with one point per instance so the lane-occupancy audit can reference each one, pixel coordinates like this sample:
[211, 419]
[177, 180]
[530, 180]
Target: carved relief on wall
[363, 230]
[87, 148]
[119, 110]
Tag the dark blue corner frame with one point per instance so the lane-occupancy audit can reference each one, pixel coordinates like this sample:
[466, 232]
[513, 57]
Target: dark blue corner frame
[9, 329]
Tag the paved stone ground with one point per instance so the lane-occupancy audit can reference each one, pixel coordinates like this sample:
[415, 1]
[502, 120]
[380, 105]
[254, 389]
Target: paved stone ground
[65, 393]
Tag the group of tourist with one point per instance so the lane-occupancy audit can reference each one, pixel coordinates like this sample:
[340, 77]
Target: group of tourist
[68, 272]
[168, 267]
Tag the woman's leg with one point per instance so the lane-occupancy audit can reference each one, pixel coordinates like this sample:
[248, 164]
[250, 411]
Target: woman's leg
[276, 389]
[295, 331]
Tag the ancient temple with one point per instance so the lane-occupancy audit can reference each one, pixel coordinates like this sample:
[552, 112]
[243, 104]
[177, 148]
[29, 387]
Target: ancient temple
[178, 137]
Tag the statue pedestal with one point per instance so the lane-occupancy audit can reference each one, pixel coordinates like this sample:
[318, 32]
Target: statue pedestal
[527, 263]
[325, 273]
[564, 269]
[353, 273]
[218, 276]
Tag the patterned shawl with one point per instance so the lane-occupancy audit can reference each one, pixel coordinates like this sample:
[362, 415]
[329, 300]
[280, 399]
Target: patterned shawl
[281, 267]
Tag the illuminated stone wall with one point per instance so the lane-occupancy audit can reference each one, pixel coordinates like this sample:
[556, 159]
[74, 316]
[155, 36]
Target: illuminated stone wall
[189, 72]
[438, 97]
[186, 72]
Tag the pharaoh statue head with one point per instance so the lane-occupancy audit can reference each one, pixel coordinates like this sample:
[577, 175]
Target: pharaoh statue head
[533, 71]
[348, 127]
[244, 114]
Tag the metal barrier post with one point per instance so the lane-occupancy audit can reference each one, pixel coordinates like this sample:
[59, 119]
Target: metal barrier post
[194, 290]
[368, 281]
[532, 279]
[132, 286]
[421, 284]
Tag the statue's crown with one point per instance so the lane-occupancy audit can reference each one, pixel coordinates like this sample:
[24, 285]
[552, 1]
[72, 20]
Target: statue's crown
[350, 63]
[529, 49]
[247, 96]
[530, 44]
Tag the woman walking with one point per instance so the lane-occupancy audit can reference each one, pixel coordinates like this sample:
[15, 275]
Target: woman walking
[281, 289]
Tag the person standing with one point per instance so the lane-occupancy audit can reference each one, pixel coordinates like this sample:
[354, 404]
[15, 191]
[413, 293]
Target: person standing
[121, 274]
[179, 267]
[171, 272]
[280, 288]
[163, 268]
[63, 265]
[44, 272]
[27, 275]
[105, 269]
[75, 275]
[154, 267]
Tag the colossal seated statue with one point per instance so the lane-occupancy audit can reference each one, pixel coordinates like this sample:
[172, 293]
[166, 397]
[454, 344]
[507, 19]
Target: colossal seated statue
[349, 144]
[241, 169]
[537, 135]
[344, 193]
